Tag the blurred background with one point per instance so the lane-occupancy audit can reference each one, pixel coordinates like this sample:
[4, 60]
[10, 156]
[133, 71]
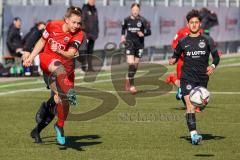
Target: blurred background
[153, 129]
[166, 18]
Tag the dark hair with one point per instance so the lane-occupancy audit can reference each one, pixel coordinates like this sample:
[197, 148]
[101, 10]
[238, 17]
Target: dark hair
[193, 13]
[16, 19]
[136, 4]
[73, 10]
[39, 23]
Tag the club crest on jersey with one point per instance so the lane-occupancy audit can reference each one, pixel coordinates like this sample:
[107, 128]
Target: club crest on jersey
[188, 87]
[202, 44]
[66, 39]
[139, 24]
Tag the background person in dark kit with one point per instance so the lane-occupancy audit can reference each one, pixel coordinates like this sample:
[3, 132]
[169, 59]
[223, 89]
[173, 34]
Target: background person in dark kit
[31, 39]
[209, 19]
[91, 29]
[14, 38]
[33, 36]
[134, 30]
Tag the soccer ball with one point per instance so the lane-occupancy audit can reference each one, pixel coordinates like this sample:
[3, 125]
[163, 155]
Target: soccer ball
[199, 96]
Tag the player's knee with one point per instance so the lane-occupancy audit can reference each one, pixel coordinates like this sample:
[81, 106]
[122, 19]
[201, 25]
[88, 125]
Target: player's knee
[60, 70]
[136, 61]
[130, 60]
[57, 99]
[56, 67]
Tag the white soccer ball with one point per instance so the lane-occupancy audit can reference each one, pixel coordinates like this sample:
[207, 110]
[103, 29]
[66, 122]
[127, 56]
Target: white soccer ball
[199, 96]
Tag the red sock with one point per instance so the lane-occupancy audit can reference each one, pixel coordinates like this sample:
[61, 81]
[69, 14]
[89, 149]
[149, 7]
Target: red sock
[172, 78]
[62, 112]
[60, 123]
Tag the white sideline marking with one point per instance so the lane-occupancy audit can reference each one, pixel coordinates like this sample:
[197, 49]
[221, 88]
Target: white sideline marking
[99, 81]
[100, 75]
[22, 90]
[42, 81]
[110, 91]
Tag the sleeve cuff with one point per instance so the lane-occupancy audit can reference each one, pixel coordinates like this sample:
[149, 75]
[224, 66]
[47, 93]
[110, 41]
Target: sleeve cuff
[213, 65]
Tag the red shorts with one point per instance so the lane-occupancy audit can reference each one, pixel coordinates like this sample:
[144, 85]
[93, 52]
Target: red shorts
[47, 59]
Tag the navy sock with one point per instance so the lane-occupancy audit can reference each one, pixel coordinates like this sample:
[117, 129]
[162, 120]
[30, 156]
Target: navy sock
[51, 104]
[183, 100]
[131, 74]
[191, 121]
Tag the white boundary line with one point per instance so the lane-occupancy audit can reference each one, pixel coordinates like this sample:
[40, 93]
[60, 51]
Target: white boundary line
[100, 81]
[110, 91]
[100, 75]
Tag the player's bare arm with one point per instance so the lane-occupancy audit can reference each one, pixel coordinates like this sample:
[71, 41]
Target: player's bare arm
[176, 55]
[25, 55]
[70, 53]
[123, 39]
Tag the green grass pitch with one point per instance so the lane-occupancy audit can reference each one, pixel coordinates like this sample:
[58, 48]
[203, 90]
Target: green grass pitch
[153, 129]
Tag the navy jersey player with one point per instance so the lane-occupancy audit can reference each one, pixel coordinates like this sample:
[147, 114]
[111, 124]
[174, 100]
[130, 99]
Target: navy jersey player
[196, 49]
[137, 28]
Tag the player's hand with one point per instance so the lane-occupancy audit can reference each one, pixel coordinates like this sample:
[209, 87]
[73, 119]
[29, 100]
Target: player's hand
[25, 55]
[18, 50]
[172, 61]
[140, 34]
[210, 70]
[28, 62]
[123, 39]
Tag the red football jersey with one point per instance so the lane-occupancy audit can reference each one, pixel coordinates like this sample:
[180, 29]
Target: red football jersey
[180, 34]
[55, 34]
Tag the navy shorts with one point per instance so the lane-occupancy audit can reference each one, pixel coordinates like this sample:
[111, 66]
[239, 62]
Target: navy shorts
[135, 51]
[187, 85]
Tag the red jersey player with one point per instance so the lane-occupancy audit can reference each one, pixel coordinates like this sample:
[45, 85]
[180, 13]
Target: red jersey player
[172, 78]
[180, 34]
[60, 41]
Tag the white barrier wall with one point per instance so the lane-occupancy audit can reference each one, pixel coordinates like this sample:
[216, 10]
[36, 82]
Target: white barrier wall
[165, 21]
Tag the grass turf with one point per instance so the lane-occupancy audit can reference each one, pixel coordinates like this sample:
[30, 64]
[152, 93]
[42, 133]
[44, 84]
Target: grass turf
[153, 129]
